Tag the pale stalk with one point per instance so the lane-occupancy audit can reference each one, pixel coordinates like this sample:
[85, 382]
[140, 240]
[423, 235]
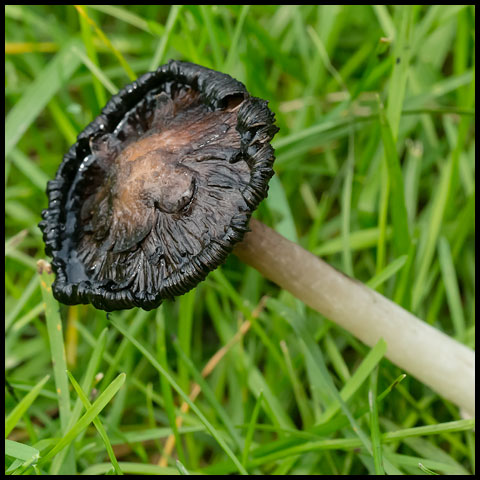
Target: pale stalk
[442, 363]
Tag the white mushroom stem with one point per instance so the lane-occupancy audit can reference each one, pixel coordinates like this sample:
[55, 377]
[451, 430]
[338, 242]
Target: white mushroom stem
[426, 353]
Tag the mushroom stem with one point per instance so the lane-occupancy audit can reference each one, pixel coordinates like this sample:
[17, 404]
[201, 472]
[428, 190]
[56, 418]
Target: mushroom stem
[437, 360]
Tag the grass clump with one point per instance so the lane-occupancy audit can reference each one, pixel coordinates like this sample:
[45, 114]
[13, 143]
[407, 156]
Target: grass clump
[375, 171]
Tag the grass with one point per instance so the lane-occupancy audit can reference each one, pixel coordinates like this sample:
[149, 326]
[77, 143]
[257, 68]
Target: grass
[375, 172]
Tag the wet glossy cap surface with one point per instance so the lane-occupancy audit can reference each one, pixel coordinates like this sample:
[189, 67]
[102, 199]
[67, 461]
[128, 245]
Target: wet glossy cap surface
[158, 188]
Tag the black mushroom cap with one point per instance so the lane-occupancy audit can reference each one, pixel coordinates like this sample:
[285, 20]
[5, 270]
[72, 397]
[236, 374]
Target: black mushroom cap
[158, 189]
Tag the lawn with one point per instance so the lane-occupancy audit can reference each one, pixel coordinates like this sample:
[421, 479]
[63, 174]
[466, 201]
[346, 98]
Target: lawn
[374, 172]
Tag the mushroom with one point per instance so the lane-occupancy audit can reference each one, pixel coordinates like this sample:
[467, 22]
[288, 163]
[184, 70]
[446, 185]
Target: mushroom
[160, 188]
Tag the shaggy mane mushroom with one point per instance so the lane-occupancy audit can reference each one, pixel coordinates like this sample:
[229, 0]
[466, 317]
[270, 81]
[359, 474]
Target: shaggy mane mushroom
[159, 189]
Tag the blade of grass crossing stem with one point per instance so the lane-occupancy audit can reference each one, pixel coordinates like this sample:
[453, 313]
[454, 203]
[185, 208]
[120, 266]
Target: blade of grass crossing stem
[451, 288]
[388, 272]
[57, 349]
[213, 431]
[37, 95]
[98, 424]
[91, 413]
[401, 235]
[15, 415]
[166, 388]
[209, 394]
[88, 378]
[359, 240]
[374, 425]
[162, 46]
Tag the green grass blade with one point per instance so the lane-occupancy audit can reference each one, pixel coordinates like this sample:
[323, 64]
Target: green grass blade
[53, 77]
[374, 425]
[122, 14]
[402, 54]
[440, 202]
[93, 60]
[21, 451]
[251, 428]
[20, 303]
[388, 272]
[57, 348]
[91, 413]
[128, 70]
[98, 424]
[184, 334]
[159, 55]
[401, 235]
[181, 468]
[87, 382]
[207, 16]
[30, 169]
[209, 394]
[213, 431]
[352, 385]
[314, 355]
[233, 51]
[15, 415]
[165, 386]
[101, 79]
[451, 288]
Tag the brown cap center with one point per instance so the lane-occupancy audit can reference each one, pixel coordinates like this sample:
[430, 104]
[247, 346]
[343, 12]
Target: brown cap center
[158, 179]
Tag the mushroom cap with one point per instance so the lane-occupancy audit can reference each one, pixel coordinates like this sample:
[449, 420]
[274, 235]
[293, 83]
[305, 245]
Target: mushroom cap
[158, 189]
